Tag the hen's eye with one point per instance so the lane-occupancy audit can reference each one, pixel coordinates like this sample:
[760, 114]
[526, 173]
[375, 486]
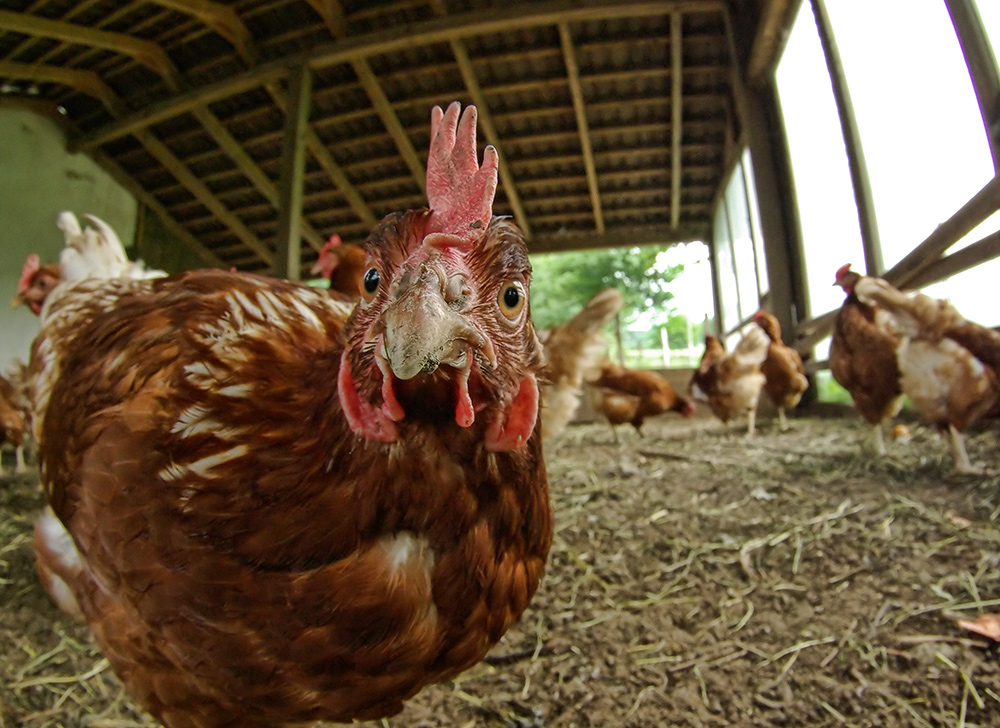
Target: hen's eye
[369, 284]
[512, 299]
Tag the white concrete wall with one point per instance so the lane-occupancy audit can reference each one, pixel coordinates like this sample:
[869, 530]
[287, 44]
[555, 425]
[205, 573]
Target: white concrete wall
[38, 180]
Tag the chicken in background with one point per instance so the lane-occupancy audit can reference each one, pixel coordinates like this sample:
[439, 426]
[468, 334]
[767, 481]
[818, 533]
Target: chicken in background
[343, 265]
[634, 395]
[13, 421]
[88, 252]
[274, 507]
[949, 367]
[574, 351]
[784, 374]
[36, 282]
[731, 382]
[863, 359]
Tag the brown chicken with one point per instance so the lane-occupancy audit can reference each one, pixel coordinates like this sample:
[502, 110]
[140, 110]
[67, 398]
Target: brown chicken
[634, 395]
[784, 374]
[731, 382]
[37, 281]
[863, 360]
[949, 367]
[91, 251]
[272, 512]
[343, 265]
[13, 421]
[574, 351]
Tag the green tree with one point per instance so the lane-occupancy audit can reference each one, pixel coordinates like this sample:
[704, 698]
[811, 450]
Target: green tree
[562, 283]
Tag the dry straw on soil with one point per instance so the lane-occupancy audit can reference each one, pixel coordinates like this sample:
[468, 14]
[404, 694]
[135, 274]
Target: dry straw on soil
[696, 579]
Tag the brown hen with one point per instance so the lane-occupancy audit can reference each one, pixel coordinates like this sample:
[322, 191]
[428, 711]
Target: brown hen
[634, 395]
[273, 510]
[13, 421]
[948, 366]
[574, 352]
[344, 266]
[784, 374]
[731, 382]
[863, 360]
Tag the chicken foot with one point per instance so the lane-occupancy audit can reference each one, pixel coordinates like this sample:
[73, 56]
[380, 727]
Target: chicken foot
[962, 462]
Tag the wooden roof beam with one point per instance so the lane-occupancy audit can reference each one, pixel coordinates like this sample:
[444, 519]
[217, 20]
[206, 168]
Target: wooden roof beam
[333, 16]
[220, 18]
[653, 235]
[86, 82]
[332, 13]
[197, 188]
[772, 33]
[475, 91]
[583, 127]
[150, 201]
[677, 114]
[982, 68]
[389, 40]
[372, 87]
[148, 54]
[250, 170]
[860, 180]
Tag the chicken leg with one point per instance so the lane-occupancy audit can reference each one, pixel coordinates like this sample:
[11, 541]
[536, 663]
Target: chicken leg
[962, 462]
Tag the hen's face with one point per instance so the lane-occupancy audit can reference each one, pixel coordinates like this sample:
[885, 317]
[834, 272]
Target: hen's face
[442, 335]
[32, 293]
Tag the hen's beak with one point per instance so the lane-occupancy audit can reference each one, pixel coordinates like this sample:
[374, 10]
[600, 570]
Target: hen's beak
[422, 331]
[18, 300]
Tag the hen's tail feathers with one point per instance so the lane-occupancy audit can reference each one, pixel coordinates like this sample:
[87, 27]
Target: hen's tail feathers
[575, 351]
[96, 252]
[916, 315]
[752, 347]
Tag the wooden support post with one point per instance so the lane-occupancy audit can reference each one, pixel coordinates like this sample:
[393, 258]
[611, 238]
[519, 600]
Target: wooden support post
[763, 130]
[982, 68]
[713, 258]
[288, 262]
[852, 140]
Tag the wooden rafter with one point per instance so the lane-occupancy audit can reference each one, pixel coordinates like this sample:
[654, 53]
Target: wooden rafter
[150, 201]
[333, 16]
[220, 18]
[852, 140]
[676, 115]
[148, 54]
[249, 168]
[438, 30]
[198, 188]
[982, 68]
[583, 127]
[383, 107]
[768, 43]
[648, 235]
[86, 82]
[468, 71]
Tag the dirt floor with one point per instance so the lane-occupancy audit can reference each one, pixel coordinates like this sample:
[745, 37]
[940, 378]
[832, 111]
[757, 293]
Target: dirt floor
[697, 578]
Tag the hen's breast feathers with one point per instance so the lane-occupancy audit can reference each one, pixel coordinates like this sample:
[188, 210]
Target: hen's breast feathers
[228, 516]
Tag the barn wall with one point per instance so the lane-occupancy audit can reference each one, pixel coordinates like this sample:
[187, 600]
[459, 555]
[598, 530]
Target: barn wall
[38, 180]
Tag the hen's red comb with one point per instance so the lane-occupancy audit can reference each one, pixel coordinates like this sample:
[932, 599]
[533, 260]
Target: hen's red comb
[843, 271]
[327, 259]
[31, 265]
[460, 191]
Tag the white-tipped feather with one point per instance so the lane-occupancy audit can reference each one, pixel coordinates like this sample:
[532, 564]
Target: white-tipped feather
[96, 252]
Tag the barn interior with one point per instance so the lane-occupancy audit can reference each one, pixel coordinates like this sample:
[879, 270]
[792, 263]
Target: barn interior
[243, 134]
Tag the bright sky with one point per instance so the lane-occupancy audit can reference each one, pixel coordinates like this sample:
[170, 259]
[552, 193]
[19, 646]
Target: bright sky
[923, 139]
[922, 134]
